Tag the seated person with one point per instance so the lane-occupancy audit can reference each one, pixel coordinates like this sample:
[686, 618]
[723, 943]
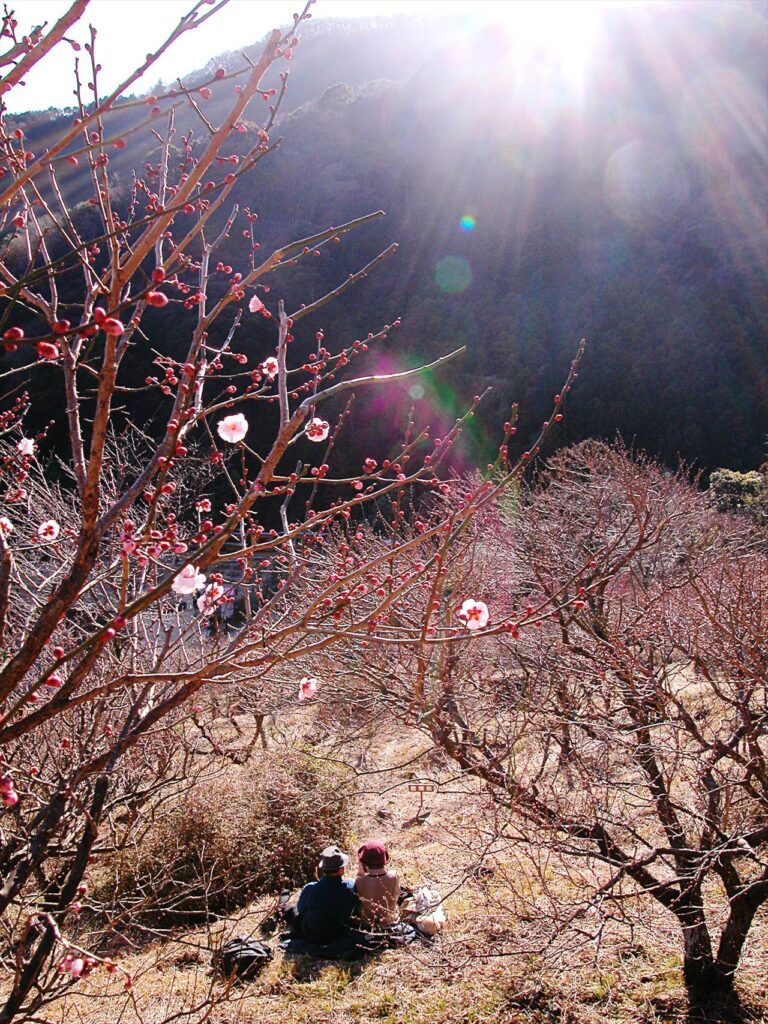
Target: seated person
[325, 907]
[377, 888]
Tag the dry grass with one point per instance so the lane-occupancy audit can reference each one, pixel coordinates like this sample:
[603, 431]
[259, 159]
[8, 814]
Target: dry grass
[252, 830]
[467, 977]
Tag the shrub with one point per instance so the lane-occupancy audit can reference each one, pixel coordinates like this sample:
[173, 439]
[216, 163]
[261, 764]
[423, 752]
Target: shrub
[223, 843]
[741, 492]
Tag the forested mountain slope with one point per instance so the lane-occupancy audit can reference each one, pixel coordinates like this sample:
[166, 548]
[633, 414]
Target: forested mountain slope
[530, 213]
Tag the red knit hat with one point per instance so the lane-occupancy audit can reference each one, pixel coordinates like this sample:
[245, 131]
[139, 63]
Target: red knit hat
[373, 854]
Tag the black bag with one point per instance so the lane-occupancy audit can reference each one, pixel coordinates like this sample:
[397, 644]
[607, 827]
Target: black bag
[278, 916]
[244, 958]
[405, 894]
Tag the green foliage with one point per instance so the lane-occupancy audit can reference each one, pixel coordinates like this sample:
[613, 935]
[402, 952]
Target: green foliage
[256, 831]
[741, 492]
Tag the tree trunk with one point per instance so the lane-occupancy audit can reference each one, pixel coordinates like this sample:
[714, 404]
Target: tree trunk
[38, 956]
[700, 971]
[734, 934]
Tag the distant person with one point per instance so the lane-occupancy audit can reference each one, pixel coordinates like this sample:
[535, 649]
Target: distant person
[326, 906]
[377, 887]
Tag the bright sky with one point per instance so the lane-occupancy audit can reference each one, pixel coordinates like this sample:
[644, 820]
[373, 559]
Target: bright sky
[127, 29]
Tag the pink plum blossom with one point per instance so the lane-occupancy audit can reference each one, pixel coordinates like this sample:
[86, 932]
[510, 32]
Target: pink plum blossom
[207, 601]
[6, 526]
[317, 429]
[308, 687]
[255, 305]
[26, 446]
[474, 614]
[233, 428]
[188, 581]
[270, 367]
[8, 795]
[49, 530]
[204, 505]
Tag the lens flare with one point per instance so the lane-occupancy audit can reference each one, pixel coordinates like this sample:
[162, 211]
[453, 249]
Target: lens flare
[453, 274]
[467, 222]
[645, 182]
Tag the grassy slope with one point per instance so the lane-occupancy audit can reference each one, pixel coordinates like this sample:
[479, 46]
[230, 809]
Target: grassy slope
[636, 977]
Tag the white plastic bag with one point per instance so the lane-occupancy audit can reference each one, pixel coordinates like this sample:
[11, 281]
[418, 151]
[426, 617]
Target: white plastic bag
[424, 910]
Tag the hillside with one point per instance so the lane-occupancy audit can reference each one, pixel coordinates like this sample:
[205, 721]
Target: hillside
[287, 588]
[633, 215]
[495, 963]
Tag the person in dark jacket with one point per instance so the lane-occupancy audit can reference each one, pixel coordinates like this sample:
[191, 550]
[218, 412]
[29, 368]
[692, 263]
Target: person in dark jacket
[326, 906]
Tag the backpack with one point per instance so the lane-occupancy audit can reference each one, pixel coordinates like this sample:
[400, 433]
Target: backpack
[244, 958]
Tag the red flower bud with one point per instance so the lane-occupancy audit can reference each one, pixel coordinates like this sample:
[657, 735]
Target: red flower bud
[47, 350]
[113, 327]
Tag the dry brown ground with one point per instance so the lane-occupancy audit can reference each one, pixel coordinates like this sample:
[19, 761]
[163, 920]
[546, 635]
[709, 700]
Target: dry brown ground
[469, 976]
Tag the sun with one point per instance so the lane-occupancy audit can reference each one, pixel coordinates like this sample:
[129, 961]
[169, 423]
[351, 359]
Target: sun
[561, 32]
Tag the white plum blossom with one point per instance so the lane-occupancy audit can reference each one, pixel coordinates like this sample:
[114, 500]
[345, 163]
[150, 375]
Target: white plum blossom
[270, 367]
[26, 446]
[49, 530]
[232, 428]
[255, 305]
[6, 526]
[474, 614]
[188, 581]
[206, 603]
[317, 429]
[308, 687]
